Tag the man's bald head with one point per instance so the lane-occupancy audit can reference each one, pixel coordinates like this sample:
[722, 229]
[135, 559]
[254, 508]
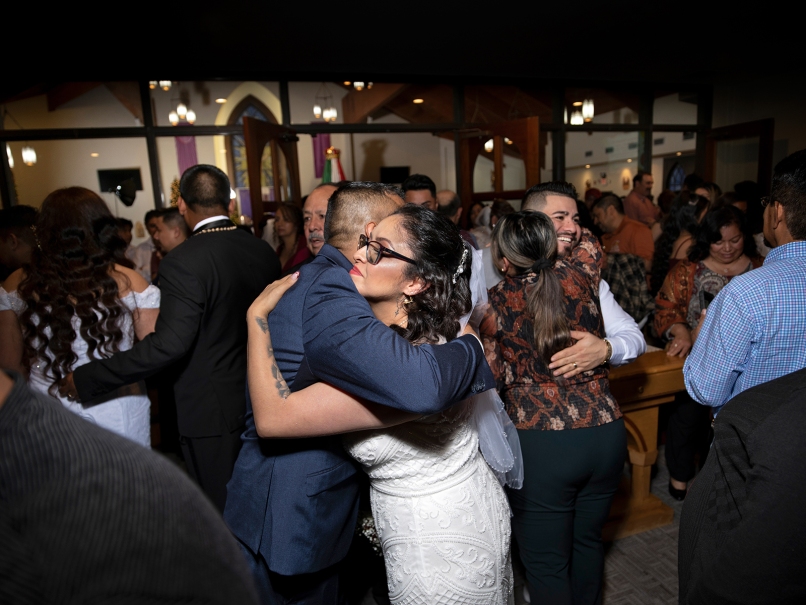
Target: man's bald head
[449, 205]
[313, 216]
[353, 206]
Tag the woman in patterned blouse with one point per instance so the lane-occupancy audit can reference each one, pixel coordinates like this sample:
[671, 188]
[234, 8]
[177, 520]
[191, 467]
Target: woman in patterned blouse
[723, 248]
[571, 432]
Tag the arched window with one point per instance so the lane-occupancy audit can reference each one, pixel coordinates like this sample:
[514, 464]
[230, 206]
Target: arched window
[236, 151]
[677, 175]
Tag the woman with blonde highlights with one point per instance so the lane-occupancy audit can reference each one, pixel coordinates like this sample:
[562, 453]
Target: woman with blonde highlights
[571, 432]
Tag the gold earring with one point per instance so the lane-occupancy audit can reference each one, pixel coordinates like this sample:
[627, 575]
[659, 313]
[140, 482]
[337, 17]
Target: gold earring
[408, 300]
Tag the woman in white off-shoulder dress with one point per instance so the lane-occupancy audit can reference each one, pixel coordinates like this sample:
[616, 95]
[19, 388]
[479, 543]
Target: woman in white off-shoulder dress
[439, 508]
[74, 303]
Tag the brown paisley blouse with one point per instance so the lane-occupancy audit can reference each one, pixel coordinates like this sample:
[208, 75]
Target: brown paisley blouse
[531, 395]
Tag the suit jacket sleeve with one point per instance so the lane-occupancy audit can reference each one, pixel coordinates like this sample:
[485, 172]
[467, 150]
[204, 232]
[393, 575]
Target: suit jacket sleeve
[181, 307]
[346, 346]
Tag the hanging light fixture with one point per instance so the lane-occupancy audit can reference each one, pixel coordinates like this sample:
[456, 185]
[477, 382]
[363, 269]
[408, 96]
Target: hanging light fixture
[173, 118]
[488, 146]
[576, 118]
[152, 84]
[358, 85]
[165, 85]
[10, 157]
[28, 155]
[181, 110]
[190, 117]
[587, 110]
[323, 106]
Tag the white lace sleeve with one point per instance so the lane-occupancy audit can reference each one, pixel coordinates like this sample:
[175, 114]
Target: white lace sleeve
[9, 301]
[498, 437]
[147, 299]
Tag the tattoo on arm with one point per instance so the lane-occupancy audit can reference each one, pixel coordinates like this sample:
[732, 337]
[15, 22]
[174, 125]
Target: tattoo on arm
[262, 324]
[279, 381]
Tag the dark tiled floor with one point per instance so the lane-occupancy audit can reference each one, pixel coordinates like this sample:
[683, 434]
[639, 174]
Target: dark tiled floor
[642, 569]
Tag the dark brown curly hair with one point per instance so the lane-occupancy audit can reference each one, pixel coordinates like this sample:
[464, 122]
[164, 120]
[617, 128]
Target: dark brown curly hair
[70, 276]
[438, 248]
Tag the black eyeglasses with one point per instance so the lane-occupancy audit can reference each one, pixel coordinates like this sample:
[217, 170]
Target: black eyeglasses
[375, 251]
[765, 201]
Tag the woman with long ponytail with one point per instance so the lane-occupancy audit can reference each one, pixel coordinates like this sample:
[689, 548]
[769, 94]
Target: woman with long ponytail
[571, 432]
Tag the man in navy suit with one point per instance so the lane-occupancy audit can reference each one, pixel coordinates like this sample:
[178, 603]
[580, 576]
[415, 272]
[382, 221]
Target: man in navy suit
[292, 504]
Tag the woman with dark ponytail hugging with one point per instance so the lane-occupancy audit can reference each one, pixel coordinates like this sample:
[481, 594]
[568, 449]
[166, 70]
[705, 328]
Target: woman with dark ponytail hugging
[571, 432]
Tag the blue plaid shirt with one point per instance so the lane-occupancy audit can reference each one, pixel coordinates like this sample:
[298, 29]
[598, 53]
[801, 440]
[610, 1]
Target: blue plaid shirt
[754, 330]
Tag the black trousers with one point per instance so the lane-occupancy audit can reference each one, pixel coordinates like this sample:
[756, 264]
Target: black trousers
[210, 461]
[688, 434]
[570, 478]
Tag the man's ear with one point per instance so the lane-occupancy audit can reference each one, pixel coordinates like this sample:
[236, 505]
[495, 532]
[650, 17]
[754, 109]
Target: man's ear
[231, 206]
[181, 205]
[13, 241]
[779, 215]
[458, 214]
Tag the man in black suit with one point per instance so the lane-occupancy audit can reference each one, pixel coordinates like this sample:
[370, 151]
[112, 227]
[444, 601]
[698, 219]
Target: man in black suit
[207, 284]
[742, 535]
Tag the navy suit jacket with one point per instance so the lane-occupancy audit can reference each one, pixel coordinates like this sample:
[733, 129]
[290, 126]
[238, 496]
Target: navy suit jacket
[295, 501]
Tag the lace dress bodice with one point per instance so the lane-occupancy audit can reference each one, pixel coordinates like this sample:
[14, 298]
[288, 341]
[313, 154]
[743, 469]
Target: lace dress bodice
[441, 515]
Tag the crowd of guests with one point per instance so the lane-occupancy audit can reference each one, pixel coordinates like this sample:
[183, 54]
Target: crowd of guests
[451, 371]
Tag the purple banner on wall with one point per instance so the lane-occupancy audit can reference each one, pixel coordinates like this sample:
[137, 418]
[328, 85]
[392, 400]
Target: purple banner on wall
[246, 207]
[320, 144]
[186, 153]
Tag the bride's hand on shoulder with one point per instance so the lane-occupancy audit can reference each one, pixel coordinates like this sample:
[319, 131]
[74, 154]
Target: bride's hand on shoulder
[271, 295]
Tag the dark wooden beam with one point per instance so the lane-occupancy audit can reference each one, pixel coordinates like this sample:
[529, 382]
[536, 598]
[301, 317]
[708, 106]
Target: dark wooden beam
[128, 93]
[151, 143]
[358, 105]
[64, 93]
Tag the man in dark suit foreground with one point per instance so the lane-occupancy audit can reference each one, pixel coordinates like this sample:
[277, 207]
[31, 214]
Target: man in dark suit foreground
[87, 516]
[207, 284]
[293, 503]
[742, 534]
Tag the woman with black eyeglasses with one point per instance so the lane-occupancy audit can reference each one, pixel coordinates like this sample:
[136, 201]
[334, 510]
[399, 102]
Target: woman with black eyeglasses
[440, 512]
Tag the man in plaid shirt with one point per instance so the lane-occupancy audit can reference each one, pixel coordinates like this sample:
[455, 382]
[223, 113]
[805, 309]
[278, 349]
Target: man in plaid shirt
[755, 329]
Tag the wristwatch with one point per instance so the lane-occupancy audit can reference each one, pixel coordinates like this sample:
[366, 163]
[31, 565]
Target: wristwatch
[609, 350]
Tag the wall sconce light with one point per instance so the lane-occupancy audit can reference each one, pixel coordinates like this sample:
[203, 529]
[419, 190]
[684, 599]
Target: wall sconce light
[576, 118]
[488, 146]
[10, 157]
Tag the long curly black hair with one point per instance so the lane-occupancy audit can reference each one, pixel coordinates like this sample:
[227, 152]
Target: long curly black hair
[683, 216]
[70, 276]
[438, 248]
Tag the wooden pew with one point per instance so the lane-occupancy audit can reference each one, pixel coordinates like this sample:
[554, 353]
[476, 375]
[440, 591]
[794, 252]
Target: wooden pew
[640, 388]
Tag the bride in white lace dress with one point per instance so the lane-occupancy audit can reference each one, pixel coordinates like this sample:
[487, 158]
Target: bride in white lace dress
[74, 304]
[440, 511]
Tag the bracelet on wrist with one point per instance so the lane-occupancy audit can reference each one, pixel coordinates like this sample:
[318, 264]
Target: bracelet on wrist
[609, 353]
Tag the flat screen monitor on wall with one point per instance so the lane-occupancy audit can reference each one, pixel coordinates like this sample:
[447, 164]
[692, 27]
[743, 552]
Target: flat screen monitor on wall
[394, 175]
[108, 180]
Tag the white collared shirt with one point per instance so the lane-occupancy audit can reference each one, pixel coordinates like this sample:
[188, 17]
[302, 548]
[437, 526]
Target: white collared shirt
[207, 221]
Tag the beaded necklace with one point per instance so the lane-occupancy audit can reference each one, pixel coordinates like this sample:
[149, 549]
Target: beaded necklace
[214, 229]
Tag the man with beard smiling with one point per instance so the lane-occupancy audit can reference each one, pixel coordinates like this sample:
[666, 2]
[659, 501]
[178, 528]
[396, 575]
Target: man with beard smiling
[624, 342]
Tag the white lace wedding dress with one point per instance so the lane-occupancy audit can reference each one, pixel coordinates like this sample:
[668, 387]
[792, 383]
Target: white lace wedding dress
[441, 515]
[126, 411]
